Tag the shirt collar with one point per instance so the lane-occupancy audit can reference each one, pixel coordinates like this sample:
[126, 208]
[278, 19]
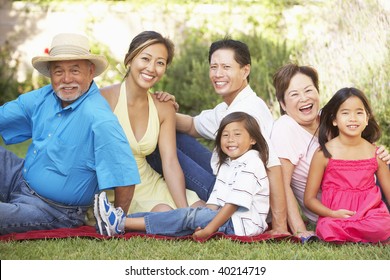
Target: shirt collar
[243, 158]
[247, 91]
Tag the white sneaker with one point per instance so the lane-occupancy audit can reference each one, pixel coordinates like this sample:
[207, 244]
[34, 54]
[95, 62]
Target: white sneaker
[110, 220]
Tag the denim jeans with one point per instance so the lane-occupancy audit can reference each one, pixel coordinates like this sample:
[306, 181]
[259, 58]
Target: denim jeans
[22, 209]
[194, 159]
[181, 221]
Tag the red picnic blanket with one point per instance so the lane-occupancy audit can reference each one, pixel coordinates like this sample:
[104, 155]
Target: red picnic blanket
[89, 231]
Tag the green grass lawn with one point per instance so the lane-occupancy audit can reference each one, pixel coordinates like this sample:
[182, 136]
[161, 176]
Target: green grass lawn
[151, 249]
[139, 248]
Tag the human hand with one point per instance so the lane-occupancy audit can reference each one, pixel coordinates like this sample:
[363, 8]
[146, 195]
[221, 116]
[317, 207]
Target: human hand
[383, 154]
[342, 213]
[201, 233]
[165, 96]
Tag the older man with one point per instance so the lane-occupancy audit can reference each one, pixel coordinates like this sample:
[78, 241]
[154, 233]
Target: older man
[78, 146]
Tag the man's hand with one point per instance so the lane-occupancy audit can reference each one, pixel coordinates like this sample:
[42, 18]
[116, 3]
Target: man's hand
[165, 96]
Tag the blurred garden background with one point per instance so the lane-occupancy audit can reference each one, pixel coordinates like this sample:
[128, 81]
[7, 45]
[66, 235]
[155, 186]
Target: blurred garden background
[347, 41]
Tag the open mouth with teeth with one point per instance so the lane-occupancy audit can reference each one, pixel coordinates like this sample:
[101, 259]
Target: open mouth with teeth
[68, 88]
[306, 109]
[147, 77]
[220, 84]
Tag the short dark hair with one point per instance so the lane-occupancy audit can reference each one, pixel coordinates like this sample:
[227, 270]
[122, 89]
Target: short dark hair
[240, 49]
[283, 76]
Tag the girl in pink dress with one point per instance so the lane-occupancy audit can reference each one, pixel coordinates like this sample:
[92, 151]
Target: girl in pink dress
[344, 167]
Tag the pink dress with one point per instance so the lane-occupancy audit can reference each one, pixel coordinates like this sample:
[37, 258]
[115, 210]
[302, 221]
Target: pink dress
[350, 184]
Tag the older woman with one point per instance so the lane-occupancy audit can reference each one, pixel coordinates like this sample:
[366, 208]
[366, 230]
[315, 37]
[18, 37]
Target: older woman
[294, 137]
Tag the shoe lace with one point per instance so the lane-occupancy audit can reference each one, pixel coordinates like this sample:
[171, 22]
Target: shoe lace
[119, 228]
[118, 212]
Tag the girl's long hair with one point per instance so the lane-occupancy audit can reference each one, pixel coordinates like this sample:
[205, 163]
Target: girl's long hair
[253, 129]
[328, 131]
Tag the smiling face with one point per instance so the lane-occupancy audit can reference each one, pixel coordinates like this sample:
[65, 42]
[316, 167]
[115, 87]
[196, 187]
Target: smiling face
[235, 140]
[301, 101]
[149, 66]
[226, 75]
[351, 118]
[71, 79]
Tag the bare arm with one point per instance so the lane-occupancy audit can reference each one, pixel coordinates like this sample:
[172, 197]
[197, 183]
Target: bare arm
[163, 96]
[173, 173]
[111, 94]
[383, 174]
[316, 172]
[294, 218]
[123, 197]
[277, 201]
[185, 124]
[223, 215]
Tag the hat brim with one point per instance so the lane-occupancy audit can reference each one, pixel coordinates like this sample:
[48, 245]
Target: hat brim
[41, 63]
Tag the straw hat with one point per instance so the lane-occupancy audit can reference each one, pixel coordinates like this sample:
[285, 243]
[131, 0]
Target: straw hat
[69, 46]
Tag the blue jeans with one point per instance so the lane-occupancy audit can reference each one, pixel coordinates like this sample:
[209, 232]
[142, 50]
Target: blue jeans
[194, 159]
[22, 209]
[181, 221]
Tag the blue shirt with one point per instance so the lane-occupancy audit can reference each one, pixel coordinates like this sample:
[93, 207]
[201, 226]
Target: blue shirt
[75, 150]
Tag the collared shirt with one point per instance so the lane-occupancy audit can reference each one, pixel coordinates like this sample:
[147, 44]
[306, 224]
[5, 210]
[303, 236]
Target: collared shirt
[208, 121]
[244, 182]
[75, 150]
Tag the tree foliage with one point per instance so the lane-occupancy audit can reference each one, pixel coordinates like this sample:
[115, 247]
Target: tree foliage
[8, 70]
[329, 35]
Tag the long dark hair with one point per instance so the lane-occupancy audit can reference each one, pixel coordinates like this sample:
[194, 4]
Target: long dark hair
[253, 129]
[327, 131]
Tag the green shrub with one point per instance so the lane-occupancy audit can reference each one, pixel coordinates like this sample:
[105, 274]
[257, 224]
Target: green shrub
[188, 76]
[335, 42]
[383, 117]
[9, 87]
[267, 57]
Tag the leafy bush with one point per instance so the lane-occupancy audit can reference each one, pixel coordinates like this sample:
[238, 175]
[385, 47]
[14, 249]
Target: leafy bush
[9, 87]
[187, 77]
[335, 42]
[383, 117]
[267, 57]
